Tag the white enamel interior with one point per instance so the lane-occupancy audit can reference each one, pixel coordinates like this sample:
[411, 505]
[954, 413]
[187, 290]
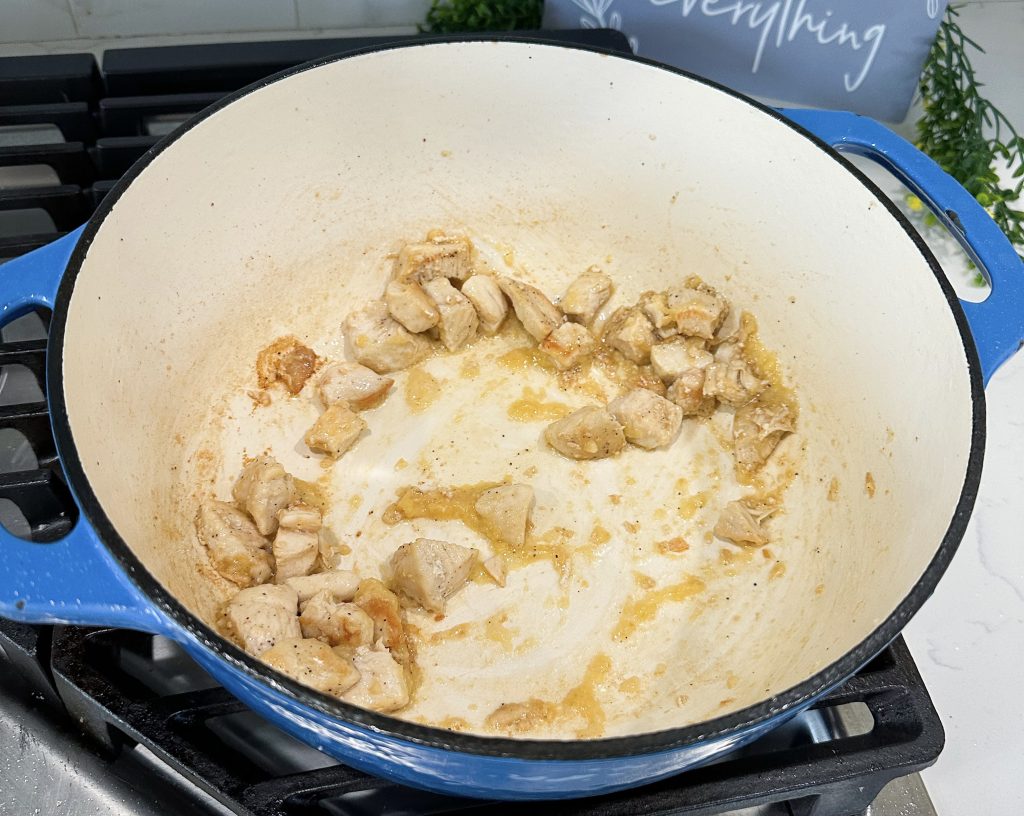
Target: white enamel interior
[274, 215]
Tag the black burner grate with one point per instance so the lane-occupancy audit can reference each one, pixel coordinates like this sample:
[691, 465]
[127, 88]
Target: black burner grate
[82, 128]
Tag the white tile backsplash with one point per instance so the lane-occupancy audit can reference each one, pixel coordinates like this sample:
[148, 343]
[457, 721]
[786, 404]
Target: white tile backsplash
[360, 13]
[33, 20]
[126, 18]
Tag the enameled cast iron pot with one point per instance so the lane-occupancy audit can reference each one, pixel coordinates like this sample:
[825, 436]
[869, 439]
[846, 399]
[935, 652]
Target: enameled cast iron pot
[566, 153]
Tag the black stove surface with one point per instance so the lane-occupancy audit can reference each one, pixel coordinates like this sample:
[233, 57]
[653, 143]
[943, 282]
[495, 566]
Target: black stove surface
[134, 707]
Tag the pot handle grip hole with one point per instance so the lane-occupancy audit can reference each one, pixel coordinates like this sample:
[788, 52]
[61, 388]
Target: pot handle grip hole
[997, 323]
[75, 579]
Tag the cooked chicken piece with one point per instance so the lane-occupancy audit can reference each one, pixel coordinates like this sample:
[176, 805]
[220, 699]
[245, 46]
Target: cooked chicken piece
[264, 489]
[341, 584]
[731, 330]
[568, 344]
[458, 317]
[648, 420]
[287, 360]
[586, 295]
[629, 331]
[339, 624]
[410, 306]
[739, 525]
[688, 393]
[538, 315]
[335, 431]
[506, 511]
[496, 567]
[382, 684]
[295, 553]
[429, 572]
[300, 516]
[381, 342]
[237, 550]
[381, 604]
[313, 663]
[757, 430]
[732, 382]
[263, 615]
[692, 312]
[589, 433]
[671, 358]
[487, 298]
[443, 257]
[355, 384]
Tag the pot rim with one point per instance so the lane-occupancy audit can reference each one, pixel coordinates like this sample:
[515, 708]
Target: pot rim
[745, 719]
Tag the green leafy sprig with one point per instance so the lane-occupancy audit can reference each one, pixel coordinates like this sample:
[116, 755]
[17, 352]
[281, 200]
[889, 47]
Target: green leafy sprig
[452, 16]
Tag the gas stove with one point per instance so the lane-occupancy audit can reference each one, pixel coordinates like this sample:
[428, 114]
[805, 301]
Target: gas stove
[105, 721]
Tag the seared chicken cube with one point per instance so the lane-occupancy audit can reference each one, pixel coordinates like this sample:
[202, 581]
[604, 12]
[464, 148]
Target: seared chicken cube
[739, 525]
[382, 684]
[757, 430]
[488, 300]
[336, 623]
[288, 361]
[648, 420]
[671, 358]
[237, 550]
[295, 553]
[691, 312]
[442, 257]
[355, 384]
[458, 317]
[429, 572]
[506, 511]
[341, 584]
[589, 433]
[381, 604]
[586, 295]
[496, 567]
[688, 393]
[381, 342]
[300, 516]
[264, 489]
[732, 382]
[313, 663]
[410, 305]
[335, 431]
[568, 344]
[263, 615]
[629, 331]
[538, 315]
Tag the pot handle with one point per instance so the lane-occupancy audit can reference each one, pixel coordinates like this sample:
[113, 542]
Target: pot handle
[997, 323]
[73, 580]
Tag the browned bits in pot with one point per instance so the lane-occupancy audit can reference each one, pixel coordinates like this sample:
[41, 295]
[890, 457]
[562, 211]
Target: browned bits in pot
[287, 361]
[833, 490]
[869, 484]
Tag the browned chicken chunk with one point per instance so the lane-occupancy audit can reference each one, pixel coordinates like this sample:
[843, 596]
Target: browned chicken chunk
[313, 663]
[589, 433]
[568, 344]
[341, 584]
[287, 361]
[458, 317]
[409, 305]
[263, 615]
[264, 489]
[647, 420]
[335, 431]
[757, 430]
[732, 382]
[586, 295]
[429, 572]
[359, 386]
[738, 524]
[382, 685]
[334, 622]
[629, 331]
[690, 311]
[488, 300]
[381, 604]
[506, 511]
[237, 550]
[300, 516]
[295, 553]
[671, 358]
[380, 342]
[688, 393]
[442, 257]
[538, 315]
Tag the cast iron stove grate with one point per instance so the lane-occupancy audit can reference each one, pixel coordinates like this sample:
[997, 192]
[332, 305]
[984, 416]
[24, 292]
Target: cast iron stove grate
[68, 130]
